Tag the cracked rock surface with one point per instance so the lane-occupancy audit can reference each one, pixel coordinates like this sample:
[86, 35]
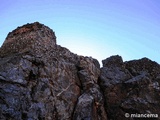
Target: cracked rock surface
[130, 87]
[40, 80]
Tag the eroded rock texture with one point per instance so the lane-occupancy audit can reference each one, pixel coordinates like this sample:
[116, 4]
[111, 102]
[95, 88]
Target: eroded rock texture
[40, 80]
[130, 87]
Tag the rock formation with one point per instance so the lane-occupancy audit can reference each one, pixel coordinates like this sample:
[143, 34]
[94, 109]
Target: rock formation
[40, 80]
[130, 87]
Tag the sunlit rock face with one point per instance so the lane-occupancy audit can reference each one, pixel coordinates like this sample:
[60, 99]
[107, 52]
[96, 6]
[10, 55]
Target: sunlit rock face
[40, 80]
[35, 38]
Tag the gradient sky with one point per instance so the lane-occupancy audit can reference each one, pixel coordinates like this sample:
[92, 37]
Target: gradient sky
[97, 28]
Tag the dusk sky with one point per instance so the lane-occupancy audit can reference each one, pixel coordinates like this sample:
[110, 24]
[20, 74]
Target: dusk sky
[97, 28]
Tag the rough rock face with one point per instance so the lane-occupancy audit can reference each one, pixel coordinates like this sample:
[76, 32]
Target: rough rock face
[40, 80]
[130, 87]
[36, 38]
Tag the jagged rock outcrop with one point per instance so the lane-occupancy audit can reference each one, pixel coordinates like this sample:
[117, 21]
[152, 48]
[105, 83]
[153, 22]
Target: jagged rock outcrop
[40, 80]
[35, 38]
[130, 87]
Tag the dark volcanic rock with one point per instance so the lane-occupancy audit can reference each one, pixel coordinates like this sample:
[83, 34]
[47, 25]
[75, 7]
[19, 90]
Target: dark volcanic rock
[90, 103]
[130, 87]
[40, 80]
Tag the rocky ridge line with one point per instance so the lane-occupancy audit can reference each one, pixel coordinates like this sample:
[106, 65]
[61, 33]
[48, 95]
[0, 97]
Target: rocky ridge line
[40, 80]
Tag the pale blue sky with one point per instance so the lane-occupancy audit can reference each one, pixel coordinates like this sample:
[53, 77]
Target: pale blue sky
[97, 28]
